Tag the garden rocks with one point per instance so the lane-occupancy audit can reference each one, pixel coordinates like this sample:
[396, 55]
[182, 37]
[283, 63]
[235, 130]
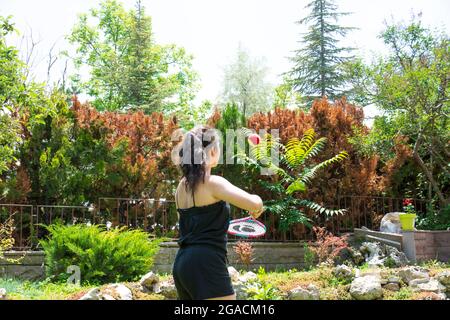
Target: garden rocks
[248, 276]
[411, 273]
[343, 272]
[377, 254]
[2, 294]
[391, 223]
[366, 288]
[149, 280]
[432, 296]
[372, 253]
[167, 289]
[93, 294]
[392, 286]
[444, 279]
[426, 285]
[234, 274]
[311, 292]
[116, 291]
[357, 257]
[394, 257]
[240, 290]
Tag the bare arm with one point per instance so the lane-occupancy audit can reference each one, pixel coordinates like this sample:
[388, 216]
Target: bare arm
[222, 189]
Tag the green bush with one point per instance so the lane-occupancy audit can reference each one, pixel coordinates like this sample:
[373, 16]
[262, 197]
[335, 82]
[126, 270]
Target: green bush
[435, 219]
[103, 256]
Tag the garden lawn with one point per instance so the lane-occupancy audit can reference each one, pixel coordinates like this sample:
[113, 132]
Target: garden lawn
[43, 290]
[330, 287]
[333, 289]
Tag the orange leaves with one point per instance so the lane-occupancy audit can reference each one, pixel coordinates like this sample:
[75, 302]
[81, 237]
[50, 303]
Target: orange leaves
[334, 122]
[148, 144]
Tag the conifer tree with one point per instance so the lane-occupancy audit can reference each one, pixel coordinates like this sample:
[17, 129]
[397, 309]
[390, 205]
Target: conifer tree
[316, 72]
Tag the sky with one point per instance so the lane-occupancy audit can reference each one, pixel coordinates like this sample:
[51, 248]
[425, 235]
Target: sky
[211, 30]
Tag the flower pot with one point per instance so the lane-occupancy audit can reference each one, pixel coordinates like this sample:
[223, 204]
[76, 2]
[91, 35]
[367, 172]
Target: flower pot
[407, 221]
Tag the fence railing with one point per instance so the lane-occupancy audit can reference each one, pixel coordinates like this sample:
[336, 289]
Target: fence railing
[159, 216]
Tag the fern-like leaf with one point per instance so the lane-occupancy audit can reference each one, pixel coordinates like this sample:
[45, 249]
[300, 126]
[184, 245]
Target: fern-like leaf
[307, 177]
[319, 209]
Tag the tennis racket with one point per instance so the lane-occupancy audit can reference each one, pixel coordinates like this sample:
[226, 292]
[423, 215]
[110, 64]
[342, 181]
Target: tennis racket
[247, 227]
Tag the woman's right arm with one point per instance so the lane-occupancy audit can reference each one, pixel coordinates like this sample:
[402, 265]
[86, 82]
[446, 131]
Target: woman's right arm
[222, 189]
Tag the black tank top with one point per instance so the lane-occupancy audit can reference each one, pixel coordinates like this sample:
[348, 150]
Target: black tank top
[205, 225]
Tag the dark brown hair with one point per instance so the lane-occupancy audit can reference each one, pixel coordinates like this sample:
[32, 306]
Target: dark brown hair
[194, 156]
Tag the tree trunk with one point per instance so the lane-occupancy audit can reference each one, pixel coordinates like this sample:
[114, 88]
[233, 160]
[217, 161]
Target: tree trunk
[427, 172]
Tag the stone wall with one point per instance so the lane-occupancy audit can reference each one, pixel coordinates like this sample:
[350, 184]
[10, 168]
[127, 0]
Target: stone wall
[418, 245]
[30, 265]
[270, 255]
[432, 245]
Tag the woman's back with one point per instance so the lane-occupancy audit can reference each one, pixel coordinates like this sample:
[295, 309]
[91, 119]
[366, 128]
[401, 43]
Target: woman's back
[204, 223]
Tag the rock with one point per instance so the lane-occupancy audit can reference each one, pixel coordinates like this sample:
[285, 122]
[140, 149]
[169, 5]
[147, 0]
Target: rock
[427, 285]
[93, 294]
[2, 294]
[168, 290]
[240, 290]
[392, 286]
[372, 253]
[393, 279]
[124, 292]
[149, 280]
[309, 293]
[432, 296]
[234, 274]
[444, 279]
[395, 258]
[343, 272]
[411, 273]
[248, 276]
[366, 288]
[115, 291]
[357, 257]
[391, 223]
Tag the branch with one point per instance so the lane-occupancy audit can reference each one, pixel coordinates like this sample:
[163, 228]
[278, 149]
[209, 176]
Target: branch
[425, 170]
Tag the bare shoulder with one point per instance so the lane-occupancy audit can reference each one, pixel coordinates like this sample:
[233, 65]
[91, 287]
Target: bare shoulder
[217, 181]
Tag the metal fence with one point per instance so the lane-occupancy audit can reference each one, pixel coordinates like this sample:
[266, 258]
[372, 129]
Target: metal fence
[159, 216]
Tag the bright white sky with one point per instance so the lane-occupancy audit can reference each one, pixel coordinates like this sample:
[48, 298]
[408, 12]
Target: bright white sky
[212, 29]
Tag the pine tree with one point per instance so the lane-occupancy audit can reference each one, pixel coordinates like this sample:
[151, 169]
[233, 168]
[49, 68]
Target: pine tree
[140, 84]
[316, 71]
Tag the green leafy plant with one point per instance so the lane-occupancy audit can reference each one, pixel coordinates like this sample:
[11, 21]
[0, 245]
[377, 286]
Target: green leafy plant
[434, 219]
[309, 256]
[7, 240]
[262, 291]
[294, 177]
[103, 256]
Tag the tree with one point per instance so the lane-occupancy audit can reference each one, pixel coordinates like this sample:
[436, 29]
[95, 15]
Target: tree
[286, 96]
[245, 84]
[317, 65]
[128, 69]
[12, 84]
[412, 86]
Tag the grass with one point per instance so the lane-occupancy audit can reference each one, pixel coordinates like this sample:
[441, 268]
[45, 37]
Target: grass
[43, 290]
[273, 284]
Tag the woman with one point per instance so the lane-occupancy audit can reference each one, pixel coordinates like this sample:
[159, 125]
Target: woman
[200, 267]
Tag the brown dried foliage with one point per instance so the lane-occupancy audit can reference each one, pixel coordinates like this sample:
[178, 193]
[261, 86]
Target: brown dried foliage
[147, 162]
